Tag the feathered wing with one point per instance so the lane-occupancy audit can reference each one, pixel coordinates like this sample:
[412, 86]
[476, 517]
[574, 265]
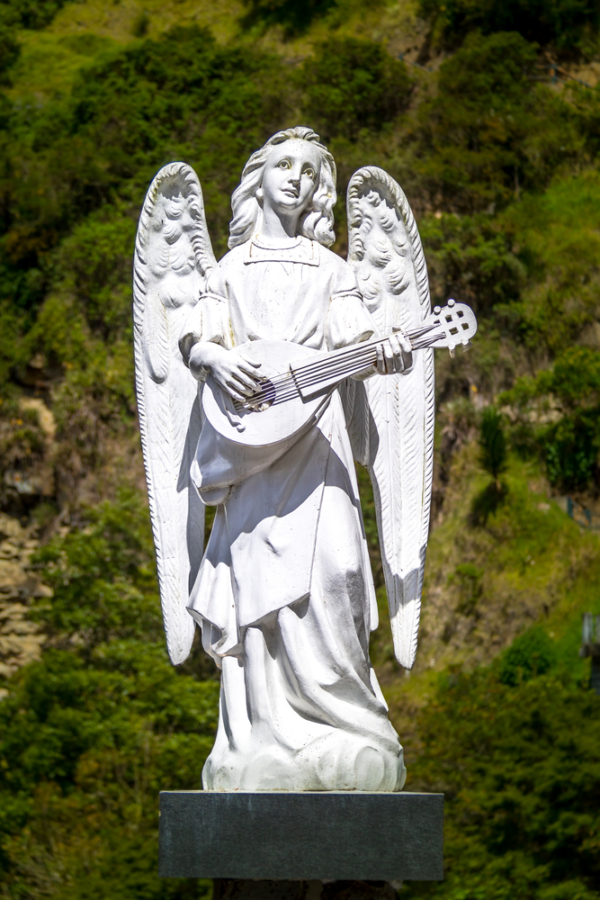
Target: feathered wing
[173, 256]
[391, 418]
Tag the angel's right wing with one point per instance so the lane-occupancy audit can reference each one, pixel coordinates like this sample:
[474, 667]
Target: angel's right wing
[390, 418]
[173, 256]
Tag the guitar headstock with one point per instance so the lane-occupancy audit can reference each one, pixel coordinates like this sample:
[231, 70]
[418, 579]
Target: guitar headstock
[449, 326]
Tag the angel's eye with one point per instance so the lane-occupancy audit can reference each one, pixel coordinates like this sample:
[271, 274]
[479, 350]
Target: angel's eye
[283, 164]
[311, 173]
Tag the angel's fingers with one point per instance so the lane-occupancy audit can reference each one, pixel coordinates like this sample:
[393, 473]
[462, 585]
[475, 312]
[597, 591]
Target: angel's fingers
[403, 342]
[250, 361]
[396, 348]
[253, 375]
[388, 352]
[381, 367]
[248, 384]
[234, 391]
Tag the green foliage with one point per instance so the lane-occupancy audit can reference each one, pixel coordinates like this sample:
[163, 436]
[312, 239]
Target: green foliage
[556, 238]
[492, 443]
[180, 96]
[108, 560]
[353, 85]
[141, 25]
[93, 267]
[564, 23]
[531, 654]
[493, 459]
[9, 48]
[15, 14]
[30, 13]
[472, 258]
[89, 735]
[491, 131]
[295, 16]
[521, 819]
[73, 172]
[469, 578]
[565, 402]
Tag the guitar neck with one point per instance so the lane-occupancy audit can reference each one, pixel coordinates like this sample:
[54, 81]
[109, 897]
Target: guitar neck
[334, 367]
[449, 327]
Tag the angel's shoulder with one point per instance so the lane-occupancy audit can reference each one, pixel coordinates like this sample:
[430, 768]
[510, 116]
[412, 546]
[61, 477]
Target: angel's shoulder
[233, 259]
[343, 277]
[224, 271]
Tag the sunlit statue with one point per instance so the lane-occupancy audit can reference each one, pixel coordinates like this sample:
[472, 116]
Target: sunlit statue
[261, 379]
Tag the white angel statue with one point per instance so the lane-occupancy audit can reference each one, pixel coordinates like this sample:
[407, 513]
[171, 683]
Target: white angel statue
[283, 592]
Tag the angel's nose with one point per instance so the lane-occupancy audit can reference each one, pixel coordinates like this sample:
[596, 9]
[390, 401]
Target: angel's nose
[295, 175]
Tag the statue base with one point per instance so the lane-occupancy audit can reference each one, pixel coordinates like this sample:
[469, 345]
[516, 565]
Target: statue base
[319, 837]
[228, 889]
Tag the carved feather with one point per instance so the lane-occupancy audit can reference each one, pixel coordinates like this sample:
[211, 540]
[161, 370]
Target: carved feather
[173, 256]
[390, 419]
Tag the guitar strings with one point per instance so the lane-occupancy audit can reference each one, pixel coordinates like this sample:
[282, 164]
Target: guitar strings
[347, 352]
[337, 375]
[343, 368]
[359, 359]
[332, 366]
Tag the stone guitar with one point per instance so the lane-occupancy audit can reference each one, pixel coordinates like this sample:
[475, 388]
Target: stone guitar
[296, 381]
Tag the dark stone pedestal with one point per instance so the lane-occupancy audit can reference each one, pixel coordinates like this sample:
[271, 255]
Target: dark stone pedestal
[301, 846]
[228, 889]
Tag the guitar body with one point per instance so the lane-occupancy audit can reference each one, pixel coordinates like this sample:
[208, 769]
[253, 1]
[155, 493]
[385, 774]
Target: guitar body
[280, 419]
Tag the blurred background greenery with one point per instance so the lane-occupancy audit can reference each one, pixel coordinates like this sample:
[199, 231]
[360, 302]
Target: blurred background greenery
[488, 114]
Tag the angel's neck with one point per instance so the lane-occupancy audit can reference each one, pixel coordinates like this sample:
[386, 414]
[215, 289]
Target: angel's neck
[275, 227]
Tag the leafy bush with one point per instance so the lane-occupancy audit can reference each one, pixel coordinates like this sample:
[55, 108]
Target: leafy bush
[93, 267]
[562, 407]
[351, 85]
[30, 13]
[9, 49]
[564, 23]
[493, 459]
[521, 816]
[294, 15]
[15, 14]
[531, 654]
[471, 258]
[492, 444]
[491, 131]
[134, 110]
[89, 735]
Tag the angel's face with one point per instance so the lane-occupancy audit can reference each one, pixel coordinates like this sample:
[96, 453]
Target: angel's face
[290, 177]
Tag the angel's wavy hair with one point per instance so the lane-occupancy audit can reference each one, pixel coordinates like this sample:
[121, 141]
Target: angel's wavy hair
[317, 220]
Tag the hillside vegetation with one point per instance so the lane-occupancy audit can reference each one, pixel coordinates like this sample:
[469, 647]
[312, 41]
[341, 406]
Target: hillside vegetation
[488, 115]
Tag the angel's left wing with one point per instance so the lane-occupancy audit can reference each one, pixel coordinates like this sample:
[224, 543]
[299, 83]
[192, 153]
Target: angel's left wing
[390, 418]
[173, 256]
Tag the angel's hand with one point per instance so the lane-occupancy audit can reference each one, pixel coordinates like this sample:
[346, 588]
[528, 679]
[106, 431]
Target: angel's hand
[394, 355]
[231, 370]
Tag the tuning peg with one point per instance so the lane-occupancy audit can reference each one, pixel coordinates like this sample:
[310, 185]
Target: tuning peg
[466, 346]
[451, 303]
[451, 352]
[437, 310]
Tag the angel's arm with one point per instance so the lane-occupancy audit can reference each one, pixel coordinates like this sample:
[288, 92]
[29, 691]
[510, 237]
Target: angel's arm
[350, 322]
[207, 322]
[206, 343]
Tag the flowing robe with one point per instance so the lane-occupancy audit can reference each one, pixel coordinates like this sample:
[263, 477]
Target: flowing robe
[285, 595]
